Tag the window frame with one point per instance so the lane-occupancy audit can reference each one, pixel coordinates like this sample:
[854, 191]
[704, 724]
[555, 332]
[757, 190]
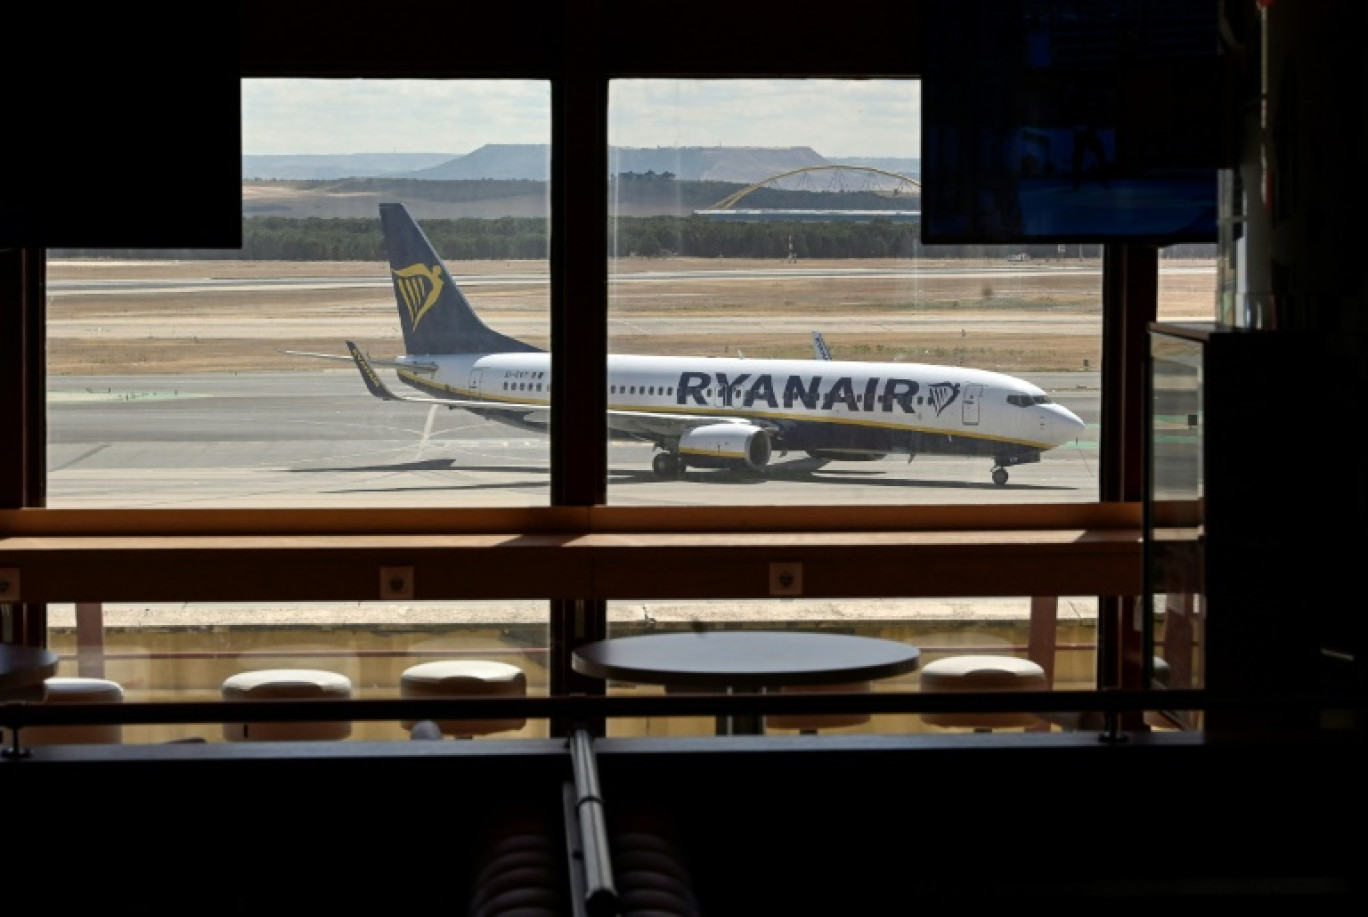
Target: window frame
[578, 47]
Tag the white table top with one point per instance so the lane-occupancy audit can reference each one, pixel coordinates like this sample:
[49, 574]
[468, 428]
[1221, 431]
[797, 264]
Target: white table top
[745, 660]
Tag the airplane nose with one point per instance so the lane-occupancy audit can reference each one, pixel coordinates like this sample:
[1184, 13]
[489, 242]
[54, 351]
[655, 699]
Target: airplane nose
[1061, 424]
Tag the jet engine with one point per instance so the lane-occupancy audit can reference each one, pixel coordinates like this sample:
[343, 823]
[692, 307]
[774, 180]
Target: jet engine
[726, 445]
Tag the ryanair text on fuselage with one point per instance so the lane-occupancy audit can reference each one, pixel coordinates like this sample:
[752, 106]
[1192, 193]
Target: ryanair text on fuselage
[877, 394]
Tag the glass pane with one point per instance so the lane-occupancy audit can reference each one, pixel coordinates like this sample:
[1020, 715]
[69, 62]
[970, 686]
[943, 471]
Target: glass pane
[224, 378]
[187, 651]
[1175, 542]
[776, 322]
[1047, 644]
[1187, 283]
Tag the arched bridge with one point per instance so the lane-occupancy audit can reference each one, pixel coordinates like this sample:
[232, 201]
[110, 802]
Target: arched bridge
[827, 179]
[831, 178]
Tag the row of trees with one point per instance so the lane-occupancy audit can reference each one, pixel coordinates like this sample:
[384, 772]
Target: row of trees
[526, 238]
[673, 228]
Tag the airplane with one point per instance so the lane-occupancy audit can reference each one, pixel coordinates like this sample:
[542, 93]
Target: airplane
[707, 412]
[819, 346]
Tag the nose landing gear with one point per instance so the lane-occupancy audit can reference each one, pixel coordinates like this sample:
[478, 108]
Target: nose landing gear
[1002, 462]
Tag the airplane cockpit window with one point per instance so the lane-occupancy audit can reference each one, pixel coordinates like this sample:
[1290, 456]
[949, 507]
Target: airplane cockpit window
[1025, 401]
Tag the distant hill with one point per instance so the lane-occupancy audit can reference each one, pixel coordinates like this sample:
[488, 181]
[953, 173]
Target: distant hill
[532, 161]
[733, 164]
[349, 165]
[493, 160]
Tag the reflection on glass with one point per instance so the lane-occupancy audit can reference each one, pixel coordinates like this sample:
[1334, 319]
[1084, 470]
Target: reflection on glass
[1059, 635]
[187, 379]
[185, 652]
[1176, 518]
[793, 341]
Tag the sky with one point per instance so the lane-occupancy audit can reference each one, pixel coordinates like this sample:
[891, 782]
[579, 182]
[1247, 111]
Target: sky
[837, 118]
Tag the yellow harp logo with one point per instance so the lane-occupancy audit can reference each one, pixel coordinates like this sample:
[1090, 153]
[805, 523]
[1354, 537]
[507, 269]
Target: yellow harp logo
[419, 286]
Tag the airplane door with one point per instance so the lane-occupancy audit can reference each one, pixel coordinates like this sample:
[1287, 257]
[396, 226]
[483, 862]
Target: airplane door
[973, 394]
[476, 375]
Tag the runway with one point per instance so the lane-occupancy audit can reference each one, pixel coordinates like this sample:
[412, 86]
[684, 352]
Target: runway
[317, 439]
[215, 276]
[204, 301]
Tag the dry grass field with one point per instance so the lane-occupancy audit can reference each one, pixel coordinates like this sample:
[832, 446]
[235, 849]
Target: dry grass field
[166, 328]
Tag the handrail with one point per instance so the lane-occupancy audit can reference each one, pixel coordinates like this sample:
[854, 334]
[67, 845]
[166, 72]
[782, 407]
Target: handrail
[626, 563]
[17, 716]
[599, 891]
[560, 520]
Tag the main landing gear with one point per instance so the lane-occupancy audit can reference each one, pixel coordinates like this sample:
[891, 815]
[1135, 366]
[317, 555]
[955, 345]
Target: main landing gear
[999, 475]
[667, 465]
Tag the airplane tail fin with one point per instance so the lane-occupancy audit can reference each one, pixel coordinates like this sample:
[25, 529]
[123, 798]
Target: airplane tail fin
[433, 312]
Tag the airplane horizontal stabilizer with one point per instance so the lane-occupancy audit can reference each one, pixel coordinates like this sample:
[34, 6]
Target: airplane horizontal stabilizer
[388, 364]
[317, 356]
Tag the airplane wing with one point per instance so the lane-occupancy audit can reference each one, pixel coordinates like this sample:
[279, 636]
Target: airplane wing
[657, 425]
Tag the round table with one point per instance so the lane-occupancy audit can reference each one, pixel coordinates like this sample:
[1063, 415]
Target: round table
[23, 671]
[23, 667]
[744, 661]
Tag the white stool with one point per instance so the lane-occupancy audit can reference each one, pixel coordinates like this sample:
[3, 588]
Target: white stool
[64, 690]
[1157, 719]
[811, 722]
[286, 684]
[465, 678]
[1163, 673]
[981, 673]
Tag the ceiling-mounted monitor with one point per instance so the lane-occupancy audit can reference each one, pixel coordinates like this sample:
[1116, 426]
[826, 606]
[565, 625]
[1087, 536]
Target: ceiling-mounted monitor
[1084, 121]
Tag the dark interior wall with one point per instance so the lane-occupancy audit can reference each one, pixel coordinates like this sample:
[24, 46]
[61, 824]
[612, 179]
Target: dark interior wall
[122, 128]
[126, 129]
[956, 825]
[579, 37]
[826, 826]
[265, 833]
[764, 833]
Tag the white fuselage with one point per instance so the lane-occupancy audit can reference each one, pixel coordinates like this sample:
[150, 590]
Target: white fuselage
[899, 397]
